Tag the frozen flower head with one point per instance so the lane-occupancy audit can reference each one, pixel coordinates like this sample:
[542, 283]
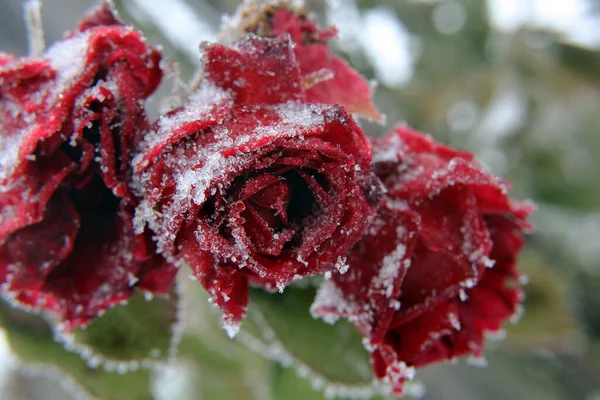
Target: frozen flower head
[68, 123]
[254, 179]
[435, 269]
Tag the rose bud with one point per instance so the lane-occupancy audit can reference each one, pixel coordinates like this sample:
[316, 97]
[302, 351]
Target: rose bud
[436, 268]
[326, 77]
[248, 182]
[68, 123]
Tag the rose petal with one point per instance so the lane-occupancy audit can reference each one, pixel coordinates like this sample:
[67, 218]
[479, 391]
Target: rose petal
[346, 86]
[257, 70]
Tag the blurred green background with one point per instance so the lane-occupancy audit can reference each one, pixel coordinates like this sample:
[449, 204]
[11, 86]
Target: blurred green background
[517, 83]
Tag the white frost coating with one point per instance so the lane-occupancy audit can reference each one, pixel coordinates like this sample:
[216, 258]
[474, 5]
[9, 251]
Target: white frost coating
[68, 58]
[454, 321]
[316, 77]
[341, 265]
[294, 119]
[390, 152]
[201, 106]
[516, 317]
[95, 360]
[366, 342]
[468, 283]
[500, 334]
[178, 327]
[330, 303]
[398, 371]
[477, 361]
[488, 262]
[391, 265]
[523, 279]
[232, 328]
[10, 147]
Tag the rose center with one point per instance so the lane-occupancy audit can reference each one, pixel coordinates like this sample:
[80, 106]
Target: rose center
[271, 209]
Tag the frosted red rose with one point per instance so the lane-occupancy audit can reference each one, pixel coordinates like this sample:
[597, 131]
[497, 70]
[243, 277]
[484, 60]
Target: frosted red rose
[68, 123]
[261, 177]
[435, 269]
[249, 182]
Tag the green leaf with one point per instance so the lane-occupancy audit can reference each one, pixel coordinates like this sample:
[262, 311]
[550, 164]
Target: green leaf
[333, 351]
[287, 385]
[139, 330]
[31, 339]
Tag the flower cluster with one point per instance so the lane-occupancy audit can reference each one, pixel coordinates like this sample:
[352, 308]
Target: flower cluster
[261, 177]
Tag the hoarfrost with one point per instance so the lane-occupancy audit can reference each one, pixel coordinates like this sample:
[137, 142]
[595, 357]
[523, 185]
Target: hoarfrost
[390, 153]
[391, 266]
[341, 265]
[330, 303]
[477, 361]
[68, 58]
[500, 334]
[232, 328]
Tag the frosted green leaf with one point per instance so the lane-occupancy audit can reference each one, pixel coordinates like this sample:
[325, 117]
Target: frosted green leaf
[30, 338]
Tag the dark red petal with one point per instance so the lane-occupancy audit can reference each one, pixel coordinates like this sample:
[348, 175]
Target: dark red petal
[101, 270]
[227, 287]
[378, 263]
[415, 168]
[427, 338]
[29, 254]
[257, 70]
[345, 86]
[23, 202]
[103, 15]
[449, 255]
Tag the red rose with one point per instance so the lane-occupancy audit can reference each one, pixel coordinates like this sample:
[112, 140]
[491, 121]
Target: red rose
[248, 182]
[68, 122]
[435, 269]
[326, 78]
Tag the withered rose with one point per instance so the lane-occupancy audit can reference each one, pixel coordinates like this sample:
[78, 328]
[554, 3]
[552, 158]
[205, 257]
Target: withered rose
[68, 122]
[435, 269]
[249, 182]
